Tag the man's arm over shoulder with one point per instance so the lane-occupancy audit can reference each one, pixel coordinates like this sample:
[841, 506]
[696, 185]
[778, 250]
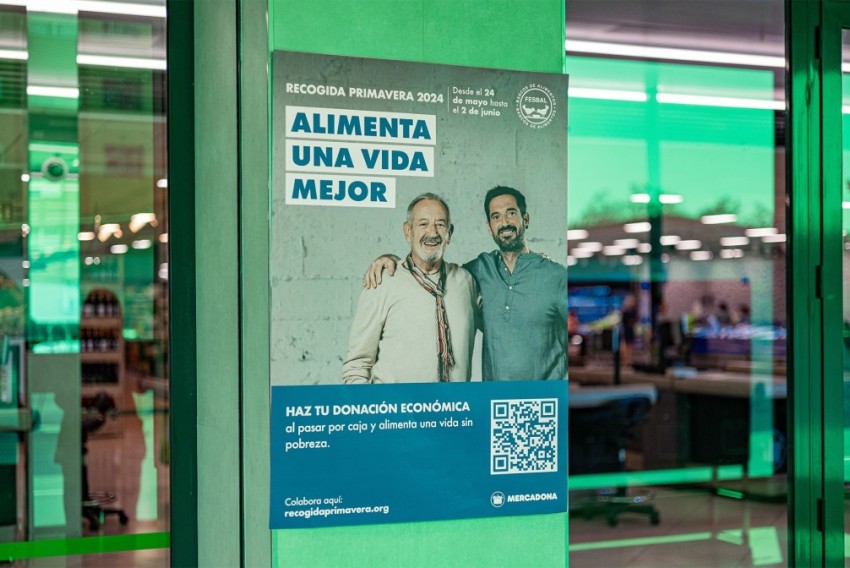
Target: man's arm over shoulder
[366, 328]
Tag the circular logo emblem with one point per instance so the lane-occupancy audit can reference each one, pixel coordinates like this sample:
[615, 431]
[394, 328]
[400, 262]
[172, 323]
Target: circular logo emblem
[535, 105]
[497, 499]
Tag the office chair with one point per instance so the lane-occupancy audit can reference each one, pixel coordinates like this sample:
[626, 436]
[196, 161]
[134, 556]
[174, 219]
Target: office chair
[96, 409]
[599, 434]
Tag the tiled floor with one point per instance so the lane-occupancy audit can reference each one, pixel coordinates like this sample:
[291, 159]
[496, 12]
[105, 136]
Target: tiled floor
[698, 529]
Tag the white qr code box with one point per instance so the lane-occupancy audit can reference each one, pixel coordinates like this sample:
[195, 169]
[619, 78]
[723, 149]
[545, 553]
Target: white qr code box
[524, 436]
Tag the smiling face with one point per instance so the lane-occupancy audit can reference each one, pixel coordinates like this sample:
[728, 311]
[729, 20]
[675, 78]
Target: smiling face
[507, 224]
[428, 232]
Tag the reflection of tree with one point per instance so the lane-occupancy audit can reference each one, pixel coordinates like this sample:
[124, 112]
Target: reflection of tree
[760, 215]
[606, 208]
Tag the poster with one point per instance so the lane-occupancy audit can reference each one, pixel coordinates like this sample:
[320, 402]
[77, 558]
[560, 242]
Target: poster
[439, 393]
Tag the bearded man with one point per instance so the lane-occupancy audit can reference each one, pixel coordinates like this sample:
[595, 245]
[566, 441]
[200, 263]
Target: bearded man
[523, 296]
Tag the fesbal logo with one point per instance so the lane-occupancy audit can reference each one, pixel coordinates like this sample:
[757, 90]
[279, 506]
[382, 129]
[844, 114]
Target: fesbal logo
[535, 105]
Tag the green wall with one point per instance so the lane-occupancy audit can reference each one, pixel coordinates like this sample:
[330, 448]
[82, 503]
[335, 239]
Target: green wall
[510, 34]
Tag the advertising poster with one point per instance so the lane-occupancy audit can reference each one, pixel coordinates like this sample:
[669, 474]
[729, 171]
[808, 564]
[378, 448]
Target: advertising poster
[441, 392]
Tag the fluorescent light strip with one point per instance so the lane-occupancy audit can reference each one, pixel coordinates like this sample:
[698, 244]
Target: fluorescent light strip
[592, 246]
[699, 255]
[845, 204]
[688, 245]
[627, 243]
[761, 232]
[124, 62]
[639, 198]
[673, 54]
[640, 227]
[718, 219]
[613, 251]
[669, 240]
[581, 253]
[670, 198]
[71, 7]
[577, 234]
[734, 241]
[780, 238]
[607, 94]
[128, 9]
[16, 54]
[59, 92]
[729, 102]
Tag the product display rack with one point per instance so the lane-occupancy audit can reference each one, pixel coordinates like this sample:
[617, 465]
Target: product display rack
[102, 351]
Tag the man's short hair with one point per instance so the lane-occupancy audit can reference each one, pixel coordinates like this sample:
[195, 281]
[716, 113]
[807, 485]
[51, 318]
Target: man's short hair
[432, 197]
[503, 190]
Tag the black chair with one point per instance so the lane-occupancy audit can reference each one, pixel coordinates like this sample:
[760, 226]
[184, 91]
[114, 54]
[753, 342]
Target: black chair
[95, 411]
[601, 421]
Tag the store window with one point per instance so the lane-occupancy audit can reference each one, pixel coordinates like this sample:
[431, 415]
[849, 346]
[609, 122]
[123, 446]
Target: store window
[677, 284]
[84, 443]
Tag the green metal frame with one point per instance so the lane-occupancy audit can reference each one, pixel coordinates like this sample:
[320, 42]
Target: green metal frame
[816, 417]
[181, 286]
[836, 17]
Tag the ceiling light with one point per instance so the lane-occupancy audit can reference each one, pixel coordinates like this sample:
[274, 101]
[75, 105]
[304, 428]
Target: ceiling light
[644, 248]
[582, 253]
[845, 204]
[571, 261]
[632, 260]
[85, 236]
[734, 241]
[699, 255]
[592, 246]
[727, 102]
[107, 230]
[59, 92]
[25, 177]
[639, 198]
[665, 258]
[731, 253]
[163, 238]
[607, 94]
[162, 183]
[16, 54]
[613, 251]
[763, 232]
[670, 240]
[142, 244]
[642, 227]
[100, 7]
[118, 249]
[672, 54]
[670, 198]
[139, 220]
[577, 235]
[626, 243]
[123, 62]
[718, 219]
[780, 238]
[688, 245]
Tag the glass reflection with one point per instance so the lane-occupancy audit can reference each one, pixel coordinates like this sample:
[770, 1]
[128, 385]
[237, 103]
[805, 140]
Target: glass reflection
[677, 302]
[83, 263]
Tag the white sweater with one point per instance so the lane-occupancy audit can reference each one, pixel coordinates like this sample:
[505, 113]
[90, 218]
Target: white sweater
[394, 332]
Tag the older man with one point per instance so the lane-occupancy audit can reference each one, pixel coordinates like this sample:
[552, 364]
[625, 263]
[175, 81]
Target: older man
[523, 297]
[419, 326]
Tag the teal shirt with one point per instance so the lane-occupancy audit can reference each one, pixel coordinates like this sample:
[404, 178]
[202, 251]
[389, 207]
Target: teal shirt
[524, 317]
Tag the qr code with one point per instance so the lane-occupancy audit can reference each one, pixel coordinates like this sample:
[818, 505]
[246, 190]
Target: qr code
[524, 436]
